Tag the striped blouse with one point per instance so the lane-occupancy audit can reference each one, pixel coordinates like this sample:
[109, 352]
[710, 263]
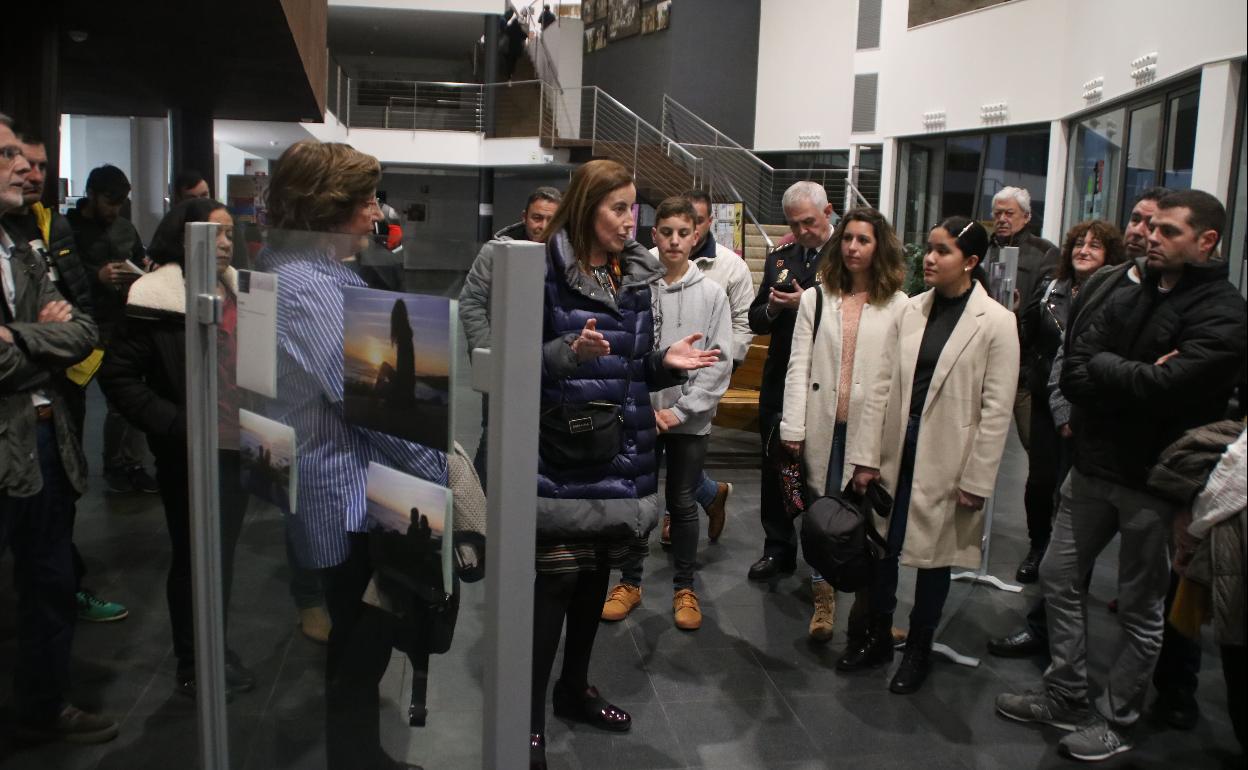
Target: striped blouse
[332, 455]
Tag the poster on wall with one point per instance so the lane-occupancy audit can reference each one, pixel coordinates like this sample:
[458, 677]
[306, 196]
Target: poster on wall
[595, 38]
[623, 18]
[655, 17]
[729, 227]
[397, 355]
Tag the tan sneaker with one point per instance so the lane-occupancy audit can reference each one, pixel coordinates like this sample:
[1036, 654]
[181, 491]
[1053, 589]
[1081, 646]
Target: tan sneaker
[665, 534]
[685, 608]
[717, 513]
[621, 601]
[825, 611]
[315, 624]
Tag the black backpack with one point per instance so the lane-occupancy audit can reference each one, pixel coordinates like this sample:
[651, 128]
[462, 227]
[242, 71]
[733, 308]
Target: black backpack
[839, 538]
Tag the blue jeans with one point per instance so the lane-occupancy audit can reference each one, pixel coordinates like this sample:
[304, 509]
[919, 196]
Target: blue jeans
[932, 587]
[706, 491]
[39, 528]
[684, 455]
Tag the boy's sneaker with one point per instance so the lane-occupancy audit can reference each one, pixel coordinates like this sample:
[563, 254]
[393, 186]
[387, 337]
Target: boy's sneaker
[1094, 741]
[621, 601]
[72, 725]
[93, 609]
[1040, 707]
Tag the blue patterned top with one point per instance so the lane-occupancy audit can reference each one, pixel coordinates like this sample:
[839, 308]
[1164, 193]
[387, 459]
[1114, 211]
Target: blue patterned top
[332, 454]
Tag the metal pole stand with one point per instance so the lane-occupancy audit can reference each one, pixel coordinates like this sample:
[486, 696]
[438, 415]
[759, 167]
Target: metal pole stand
[510, 372]
[203, 315]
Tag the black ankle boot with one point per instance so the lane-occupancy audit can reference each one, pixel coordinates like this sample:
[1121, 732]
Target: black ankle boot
[872, 651]
[916, 663]
[537, 751]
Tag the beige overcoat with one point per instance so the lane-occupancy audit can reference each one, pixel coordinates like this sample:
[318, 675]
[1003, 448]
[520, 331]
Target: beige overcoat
[963, 425]
[814, 377]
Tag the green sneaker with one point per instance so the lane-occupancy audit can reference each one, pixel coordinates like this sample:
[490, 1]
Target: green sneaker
[93, 609]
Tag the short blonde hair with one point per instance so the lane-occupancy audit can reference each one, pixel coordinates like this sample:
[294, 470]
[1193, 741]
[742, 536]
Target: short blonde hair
[318, 185]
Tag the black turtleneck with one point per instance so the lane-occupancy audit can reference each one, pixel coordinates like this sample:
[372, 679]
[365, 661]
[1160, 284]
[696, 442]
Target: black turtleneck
[940, 322]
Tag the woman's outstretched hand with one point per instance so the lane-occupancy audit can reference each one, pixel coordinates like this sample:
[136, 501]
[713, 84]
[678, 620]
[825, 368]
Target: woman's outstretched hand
[683, 355]
[591, 344]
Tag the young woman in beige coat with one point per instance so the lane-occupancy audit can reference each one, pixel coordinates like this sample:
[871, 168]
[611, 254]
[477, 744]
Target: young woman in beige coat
[860, 273]
[951, 366]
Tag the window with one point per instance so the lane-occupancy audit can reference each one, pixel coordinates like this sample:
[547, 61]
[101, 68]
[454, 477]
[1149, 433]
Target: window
[1235, 243]
[869, 24]
[1118, 153]
[1092, 178]
[865, 90]
[957, 175]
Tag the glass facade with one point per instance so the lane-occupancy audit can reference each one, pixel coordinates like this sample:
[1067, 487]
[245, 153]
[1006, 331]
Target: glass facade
[958, 175]
[1118, 152]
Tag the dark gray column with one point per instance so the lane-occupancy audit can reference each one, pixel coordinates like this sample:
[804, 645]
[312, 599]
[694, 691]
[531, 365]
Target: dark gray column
[485, 204]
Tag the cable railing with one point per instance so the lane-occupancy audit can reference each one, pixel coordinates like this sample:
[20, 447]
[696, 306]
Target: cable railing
[729, 166]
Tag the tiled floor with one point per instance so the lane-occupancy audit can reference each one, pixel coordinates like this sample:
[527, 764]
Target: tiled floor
[745, 691]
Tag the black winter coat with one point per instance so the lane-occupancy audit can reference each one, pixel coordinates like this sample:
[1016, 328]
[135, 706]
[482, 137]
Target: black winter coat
[1128, 409]
[785, 264]
[1042, 322]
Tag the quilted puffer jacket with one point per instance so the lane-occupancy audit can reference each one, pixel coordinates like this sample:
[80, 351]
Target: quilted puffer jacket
[619, 499]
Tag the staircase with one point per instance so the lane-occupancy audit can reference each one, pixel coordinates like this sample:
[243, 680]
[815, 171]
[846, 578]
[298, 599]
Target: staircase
[757, 247]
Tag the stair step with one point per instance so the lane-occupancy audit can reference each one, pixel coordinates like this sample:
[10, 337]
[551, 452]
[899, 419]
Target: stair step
[756, 251]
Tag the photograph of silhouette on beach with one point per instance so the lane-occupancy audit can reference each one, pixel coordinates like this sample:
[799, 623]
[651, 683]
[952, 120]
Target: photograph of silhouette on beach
[397, 353]
[397, 500]
[267, 461]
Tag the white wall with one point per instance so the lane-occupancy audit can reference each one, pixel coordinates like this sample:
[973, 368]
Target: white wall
[1035, 55]
[805, 72]
[461, 6]
[93, 142]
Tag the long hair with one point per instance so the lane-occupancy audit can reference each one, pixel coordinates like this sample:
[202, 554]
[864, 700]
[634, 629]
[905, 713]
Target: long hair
[1106, 233]
[169, 241]
[971, 239]
[887, 270]
[590, 184]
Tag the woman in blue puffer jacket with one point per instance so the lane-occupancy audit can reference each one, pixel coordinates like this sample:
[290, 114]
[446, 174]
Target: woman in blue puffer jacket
[598, 358]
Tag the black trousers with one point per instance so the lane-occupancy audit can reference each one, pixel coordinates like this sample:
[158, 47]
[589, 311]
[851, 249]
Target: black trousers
[172, 479]
[359, 652]
[38, 529]
[1043, 462]
[685, 455]
[576, 597]
[1178, 666]
[779, 534]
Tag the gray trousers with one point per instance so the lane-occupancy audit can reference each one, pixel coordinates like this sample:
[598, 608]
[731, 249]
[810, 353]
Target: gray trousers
[1091, 512]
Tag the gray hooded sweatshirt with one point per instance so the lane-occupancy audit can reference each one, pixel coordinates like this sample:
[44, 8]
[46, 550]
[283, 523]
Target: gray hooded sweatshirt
[693, 304]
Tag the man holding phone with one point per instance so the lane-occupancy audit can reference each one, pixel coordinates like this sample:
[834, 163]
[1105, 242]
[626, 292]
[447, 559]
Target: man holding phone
[788, 272]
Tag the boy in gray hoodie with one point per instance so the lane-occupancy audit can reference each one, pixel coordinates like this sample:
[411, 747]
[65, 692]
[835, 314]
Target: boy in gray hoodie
[684, 302]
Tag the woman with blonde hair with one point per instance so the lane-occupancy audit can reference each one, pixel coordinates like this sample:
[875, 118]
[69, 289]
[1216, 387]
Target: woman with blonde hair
[597, 488]
[933, 429]
[860, 275]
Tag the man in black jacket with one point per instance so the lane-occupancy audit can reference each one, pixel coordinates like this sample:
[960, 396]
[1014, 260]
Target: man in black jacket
[51, 239]
[1154, 362]
[789, 271]
[108, 245]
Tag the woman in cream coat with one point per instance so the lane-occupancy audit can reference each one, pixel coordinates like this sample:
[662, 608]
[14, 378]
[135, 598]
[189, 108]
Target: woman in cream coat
[860, 272]
[951, 365]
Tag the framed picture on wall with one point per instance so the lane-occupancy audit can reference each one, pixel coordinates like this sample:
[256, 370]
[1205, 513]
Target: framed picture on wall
[663, 15]
[587, 11]
[649, 19]
[623, 18]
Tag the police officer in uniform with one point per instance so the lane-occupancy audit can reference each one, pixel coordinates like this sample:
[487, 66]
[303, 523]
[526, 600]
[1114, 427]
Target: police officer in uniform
[789, 271]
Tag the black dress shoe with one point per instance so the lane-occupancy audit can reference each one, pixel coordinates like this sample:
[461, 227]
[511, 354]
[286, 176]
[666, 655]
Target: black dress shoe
[1029, 570]
[871, 651]
[1020, 644]
[1179, 712]
[537, 751]
[768, 567]
[916, 664]
[591, 708]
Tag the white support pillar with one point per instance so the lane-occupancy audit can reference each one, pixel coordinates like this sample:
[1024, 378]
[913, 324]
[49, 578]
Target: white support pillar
[1215, 128]
[888, 178]
[1055, 183]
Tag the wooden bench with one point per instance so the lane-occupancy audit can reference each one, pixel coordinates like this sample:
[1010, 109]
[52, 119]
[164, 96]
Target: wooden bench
[739, 406]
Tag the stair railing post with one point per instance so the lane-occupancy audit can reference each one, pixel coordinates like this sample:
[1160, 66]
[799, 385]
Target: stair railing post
[636, 142]
[593, 125]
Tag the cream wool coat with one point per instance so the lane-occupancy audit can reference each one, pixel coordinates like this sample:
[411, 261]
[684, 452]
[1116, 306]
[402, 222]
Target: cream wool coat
[814, 377]
[965, 419]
